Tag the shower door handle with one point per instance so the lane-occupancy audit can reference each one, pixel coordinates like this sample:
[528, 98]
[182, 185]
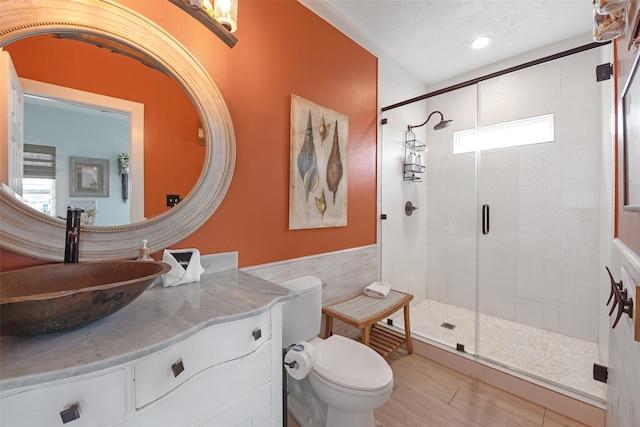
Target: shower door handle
[485, 219]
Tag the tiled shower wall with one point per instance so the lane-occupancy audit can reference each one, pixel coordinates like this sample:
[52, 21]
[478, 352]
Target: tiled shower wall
[541, 263]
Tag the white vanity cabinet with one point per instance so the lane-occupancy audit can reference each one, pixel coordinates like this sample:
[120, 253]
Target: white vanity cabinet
[207, 364]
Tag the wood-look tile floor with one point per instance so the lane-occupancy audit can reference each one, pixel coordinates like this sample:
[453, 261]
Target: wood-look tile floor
[426, 393]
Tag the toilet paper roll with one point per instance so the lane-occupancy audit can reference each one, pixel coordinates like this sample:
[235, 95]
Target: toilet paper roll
[299, 360]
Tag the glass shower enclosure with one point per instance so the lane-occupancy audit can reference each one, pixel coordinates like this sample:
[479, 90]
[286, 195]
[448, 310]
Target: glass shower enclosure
[504, 253]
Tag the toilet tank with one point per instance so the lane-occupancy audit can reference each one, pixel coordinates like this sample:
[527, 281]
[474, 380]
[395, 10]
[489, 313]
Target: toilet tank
[302, 314]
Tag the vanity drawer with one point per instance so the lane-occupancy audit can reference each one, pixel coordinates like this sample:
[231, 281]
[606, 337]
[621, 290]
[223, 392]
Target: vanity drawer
[213, 392]
[161, 372]
[100, 402]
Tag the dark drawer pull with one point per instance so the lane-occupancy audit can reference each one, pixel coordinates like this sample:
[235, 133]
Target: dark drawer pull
[70, 414]
[257, 334]
[177, 368]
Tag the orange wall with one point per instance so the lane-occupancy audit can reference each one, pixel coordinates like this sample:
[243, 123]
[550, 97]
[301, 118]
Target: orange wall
[283, 48]
[627, 223]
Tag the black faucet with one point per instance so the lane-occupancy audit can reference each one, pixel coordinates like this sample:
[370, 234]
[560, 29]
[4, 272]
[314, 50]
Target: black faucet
[72, 239]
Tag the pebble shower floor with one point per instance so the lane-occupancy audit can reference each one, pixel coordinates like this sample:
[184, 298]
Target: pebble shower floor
[561, 360]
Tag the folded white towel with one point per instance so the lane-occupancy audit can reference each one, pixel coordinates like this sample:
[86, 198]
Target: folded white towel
[378, 290]
[186, 270]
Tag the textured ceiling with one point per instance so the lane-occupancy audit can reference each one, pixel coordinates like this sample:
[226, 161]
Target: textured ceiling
[430, 38]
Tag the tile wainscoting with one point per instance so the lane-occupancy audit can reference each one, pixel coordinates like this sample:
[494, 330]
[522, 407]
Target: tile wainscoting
[344, 274]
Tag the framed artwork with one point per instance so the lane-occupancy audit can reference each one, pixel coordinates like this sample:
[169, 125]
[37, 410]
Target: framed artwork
[88, 177]
[319, 141]
[89, 208]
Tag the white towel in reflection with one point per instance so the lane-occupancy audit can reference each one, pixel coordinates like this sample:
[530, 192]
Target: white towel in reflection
[378, 290]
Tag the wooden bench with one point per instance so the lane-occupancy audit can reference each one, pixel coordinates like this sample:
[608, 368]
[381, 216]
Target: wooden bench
[364, 312]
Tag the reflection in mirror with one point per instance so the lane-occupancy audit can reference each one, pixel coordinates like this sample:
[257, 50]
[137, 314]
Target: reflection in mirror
[631, 139]
[170, 126]
[170, 161]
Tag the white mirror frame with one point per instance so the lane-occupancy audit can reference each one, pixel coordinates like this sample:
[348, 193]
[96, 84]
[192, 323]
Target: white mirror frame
[27, 231]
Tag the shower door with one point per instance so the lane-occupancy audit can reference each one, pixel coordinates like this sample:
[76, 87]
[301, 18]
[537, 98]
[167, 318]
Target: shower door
[520, 191]
[540, 137]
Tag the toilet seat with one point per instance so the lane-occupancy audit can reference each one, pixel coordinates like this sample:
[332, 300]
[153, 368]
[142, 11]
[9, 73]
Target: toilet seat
[350, 364]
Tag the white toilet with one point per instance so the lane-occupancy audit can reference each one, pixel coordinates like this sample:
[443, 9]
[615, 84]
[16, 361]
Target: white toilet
[348, 379]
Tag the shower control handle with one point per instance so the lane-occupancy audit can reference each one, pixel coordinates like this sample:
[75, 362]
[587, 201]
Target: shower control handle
[485, 219]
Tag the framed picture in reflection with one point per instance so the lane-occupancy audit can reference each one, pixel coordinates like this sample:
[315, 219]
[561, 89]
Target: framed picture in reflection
[88, 177]
[631, 139]
[633, 26]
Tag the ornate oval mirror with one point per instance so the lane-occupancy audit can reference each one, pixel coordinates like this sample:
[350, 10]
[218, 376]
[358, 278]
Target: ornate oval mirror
[27, 231]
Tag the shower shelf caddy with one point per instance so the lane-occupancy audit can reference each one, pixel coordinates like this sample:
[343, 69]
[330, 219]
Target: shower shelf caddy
[413, 161]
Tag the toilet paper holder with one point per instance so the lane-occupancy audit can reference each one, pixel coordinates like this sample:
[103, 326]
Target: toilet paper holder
[292, 364]
[299, 359]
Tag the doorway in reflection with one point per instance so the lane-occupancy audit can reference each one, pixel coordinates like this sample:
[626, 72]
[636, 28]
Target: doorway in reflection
[59, 129]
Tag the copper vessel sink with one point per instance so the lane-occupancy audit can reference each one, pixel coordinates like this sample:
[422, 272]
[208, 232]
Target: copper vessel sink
[59, 297]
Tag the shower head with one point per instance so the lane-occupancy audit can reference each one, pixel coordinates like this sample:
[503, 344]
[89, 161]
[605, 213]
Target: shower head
[440, 125]
[443, 124]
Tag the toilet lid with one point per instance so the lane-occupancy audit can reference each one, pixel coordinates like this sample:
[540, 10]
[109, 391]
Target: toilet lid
[351, 364]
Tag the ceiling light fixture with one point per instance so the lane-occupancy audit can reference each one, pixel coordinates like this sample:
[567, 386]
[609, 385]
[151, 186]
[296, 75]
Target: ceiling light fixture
[226, 13]
[480, 42]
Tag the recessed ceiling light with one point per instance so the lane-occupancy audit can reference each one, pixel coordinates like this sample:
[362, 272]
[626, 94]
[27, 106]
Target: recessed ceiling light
[480, 42]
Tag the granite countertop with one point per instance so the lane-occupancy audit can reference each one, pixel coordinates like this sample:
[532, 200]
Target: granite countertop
[157, 319]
